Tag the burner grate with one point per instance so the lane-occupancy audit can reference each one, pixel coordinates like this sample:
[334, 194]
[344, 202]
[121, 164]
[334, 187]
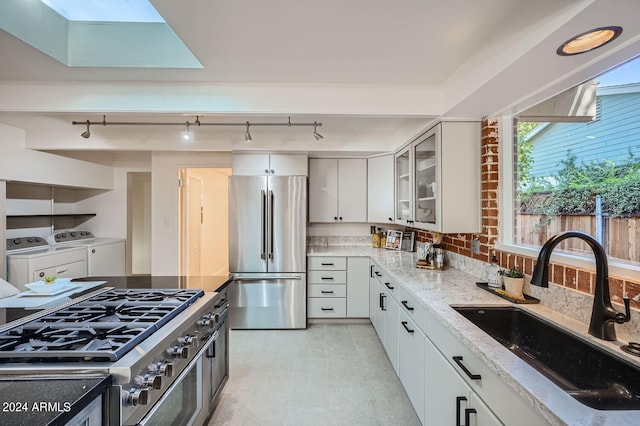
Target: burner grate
[105, 326]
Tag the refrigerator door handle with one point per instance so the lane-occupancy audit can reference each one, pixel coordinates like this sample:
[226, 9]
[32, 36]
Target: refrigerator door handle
[267, 277]
[263, 211]
[270, 232]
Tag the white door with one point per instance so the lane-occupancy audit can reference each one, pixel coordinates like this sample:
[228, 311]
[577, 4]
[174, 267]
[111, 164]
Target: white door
[194, 224]
[323, 190]
[380, 199]
[352, 190]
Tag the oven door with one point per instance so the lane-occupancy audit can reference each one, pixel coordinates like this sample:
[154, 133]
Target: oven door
[184, 403]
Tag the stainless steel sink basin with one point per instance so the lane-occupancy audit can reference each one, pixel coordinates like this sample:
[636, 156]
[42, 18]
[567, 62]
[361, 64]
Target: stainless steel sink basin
[589, 374]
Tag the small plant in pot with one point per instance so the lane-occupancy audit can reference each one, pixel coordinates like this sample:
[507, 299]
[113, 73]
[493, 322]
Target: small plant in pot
[513, 280]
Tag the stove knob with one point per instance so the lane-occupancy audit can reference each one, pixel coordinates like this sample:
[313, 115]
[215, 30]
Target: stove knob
[188, 340]
[205, 321]
[154, 381]
[138, 395]
[165, 367]
[17, 241]
[179, 351]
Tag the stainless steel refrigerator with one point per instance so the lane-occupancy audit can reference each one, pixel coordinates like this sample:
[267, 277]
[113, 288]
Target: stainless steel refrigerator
[267, 251]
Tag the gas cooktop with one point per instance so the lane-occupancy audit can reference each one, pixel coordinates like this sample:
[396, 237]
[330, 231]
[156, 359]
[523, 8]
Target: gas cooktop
[103, 327]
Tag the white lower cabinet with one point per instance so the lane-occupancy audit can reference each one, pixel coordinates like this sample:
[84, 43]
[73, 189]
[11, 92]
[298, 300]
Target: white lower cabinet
[411, 361]
[384, 317]
[357, 287]
[448, 398]
[376, 297]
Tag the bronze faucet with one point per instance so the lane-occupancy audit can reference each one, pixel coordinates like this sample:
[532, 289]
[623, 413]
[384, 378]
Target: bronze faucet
[603, 316]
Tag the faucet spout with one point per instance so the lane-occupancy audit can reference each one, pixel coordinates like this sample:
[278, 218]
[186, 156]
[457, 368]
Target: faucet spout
[603, 316]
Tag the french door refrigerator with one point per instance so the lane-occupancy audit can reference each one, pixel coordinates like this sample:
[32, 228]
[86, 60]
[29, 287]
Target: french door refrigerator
[267, 251]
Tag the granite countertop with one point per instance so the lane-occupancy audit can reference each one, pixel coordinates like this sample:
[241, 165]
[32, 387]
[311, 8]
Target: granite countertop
[439, 290]
[23, 401]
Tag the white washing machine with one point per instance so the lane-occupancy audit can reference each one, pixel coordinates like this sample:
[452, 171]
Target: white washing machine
[30, 259]
[105, 256]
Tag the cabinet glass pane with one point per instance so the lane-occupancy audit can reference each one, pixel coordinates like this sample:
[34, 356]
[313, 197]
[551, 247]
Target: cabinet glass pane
[426, 185]
[403, 189]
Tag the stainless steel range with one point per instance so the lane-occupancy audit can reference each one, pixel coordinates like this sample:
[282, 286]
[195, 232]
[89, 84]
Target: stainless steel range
[166, 350]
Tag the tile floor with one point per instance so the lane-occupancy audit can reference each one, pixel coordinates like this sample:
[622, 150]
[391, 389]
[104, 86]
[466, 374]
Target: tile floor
[328, 374]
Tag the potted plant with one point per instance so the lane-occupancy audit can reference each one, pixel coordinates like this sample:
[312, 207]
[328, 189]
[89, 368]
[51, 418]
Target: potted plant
[513, 280]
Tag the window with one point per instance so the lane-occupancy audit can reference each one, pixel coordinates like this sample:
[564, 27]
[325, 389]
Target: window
[584, 176]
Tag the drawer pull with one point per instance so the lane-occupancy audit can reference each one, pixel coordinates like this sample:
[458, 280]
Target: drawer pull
[459, 399]
[326, 309]
[326, 291]
[406, 305]
[405, 325]
[467, 415]
[389, 286]
[458, 360]
[326, 278]
[382, 296]
[372, 270]
[327, 264]
[378, 274]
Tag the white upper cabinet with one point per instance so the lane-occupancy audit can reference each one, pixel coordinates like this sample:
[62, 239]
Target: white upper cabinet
[442, 170]
[264, 164]
[337, 190]
[380, 200]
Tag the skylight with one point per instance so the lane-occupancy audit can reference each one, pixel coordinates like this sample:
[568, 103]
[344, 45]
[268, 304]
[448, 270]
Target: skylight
[97, 33]
[105, 11]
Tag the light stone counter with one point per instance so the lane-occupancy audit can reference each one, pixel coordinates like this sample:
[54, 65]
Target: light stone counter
[438, 290]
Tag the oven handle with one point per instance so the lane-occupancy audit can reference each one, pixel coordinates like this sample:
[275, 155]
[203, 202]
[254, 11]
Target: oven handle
[211, 348]
[193, 364]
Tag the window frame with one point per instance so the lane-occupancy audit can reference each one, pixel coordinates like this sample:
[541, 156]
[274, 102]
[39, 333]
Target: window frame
[506, 211]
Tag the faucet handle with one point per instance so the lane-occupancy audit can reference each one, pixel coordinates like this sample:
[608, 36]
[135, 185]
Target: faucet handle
[626, 317]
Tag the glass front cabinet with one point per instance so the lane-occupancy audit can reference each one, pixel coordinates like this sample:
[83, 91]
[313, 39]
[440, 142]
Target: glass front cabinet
[438, 179]
[404, 186]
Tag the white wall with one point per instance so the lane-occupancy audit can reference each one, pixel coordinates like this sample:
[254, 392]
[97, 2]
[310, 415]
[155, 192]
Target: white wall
[165, 168]
[24, 165]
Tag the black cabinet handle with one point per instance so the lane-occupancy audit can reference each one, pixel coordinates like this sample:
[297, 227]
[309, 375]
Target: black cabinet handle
[389, 286]
[326, 309]
[382, 296]
[390, 219]
[406, 305]
[340, 218]
[405, 325]
[326, 278]
[327, 264]
[378, 274]
[458, 360]
[335, 218]
[372, 270]
[326, 291]
[459, 399]
[467, 414]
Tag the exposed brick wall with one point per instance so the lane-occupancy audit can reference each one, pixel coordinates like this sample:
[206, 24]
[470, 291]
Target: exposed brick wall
[563, 275]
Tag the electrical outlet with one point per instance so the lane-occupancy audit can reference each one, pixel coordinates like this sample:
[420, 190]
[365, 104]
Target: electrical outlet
[475, 246]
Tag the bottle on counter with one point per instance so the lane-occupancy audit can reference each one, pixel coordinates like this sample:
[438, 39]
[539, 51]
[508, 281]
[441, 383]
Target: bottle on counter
[494, 277]
[376, 238]
[383, 239]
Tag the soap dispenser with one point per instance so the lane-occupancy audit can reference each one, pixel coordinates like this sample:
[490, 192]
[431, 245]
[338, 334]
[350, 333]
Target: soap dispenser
[493, 279]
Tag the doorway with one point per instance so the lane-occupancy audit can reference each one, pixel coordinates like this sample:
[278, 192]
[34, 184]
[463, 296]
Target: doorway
[204, 229]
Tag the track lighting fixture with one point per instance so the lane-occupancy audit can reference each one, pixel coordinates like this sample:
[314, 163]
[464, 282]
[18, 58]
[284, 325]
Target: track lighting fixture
[247, 135]
[187, 134]
[316, 135]
[86, 133]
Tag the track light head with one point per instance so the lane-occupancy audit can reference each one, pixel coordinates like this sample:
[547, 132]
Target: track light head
[86, 133]
[186, 135]
[316, 135]
[247, 135]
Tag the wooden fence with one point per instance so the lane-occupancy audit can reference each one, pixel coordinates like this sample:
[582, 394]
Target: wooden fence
[621, 236]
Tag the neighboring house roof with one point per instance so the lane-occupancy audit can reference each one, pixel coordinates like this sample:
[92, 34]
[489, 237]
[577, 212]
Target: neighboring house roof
[612, 135]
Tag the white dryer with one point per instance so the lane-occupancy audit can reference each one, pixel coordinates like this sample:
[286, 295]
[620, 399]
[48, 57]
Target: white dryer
[105, 256]
[30, 259]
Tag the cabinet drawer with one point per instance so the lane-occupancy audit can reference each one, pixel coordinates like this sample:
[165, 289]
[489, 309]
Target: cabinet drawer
[389, 284]
[328, 263]
[321, 307]
[410, 306]
[327, 277]
[326, 290]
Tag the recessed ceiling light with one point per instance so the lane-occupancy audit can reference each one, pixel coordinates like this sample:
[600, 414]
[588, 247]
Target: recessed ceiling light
[589, 40]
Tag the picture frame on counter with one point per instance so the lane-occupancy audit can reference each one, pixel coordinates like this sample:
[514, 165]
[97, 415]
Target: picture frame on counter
[394, 240]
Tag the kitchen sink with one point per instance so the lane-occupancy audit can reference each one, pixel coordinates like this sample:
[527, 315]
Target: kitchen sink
[591, 375]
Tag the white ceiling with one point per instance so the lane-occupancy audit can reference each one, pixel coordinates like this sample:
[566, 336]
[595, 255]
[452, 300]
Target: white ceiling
[374, 72]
